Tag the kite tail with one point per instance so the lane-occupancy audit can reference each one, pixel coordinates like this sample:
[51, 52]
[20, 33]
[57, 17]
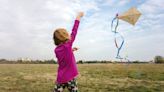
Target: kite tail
[114, 30]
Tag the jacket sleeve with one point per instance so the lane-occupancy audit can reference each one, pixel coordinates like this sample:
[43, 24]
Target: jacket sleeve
[74, 31]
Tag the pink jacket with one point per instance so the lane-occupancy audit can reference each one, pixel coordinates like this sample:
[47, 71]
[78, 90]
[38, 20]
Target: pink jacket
[67, 69]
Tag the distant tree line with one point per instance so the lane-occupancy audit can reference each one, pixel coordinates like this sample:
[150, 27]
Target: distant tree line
[157, 59]
[5, 61]
[94, 61]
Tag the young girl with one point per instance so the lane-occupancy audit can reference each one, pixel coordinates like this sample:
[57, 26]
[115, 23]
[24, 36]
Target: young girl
[67, 69]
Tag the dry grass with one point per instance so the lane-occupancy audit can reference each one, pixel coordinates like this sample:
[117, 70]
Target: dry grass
[92, 78]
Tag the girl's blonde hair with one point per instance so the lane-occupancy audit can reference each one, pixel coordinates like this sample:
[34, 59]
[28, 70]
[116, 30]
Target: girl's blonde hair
[60, 35]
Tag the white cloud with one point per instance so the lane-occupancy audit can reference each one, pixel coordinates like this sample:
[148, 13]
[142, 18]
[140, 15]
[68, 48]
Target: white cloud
[123, 2]
[115, 3]
[31, 23]
[152, 7]
[26, 28]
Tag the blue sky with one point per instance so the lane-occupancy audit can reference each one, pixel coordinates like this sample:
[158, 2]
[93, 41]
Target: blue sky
[26, 28]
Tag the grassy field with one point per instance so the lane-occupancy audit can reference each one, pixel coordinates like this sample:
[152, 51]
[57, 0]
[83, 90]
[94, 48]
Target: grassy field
[93, 77]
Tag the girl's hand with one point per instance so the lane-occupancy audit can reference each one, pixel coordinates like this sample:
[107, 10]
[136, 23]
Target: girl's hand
[79, 15]
[75, 49]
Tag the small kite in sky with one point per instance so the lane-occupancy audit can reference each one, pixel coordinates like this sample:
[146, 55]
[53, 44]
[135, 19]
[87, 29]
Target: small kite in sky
[131, 16]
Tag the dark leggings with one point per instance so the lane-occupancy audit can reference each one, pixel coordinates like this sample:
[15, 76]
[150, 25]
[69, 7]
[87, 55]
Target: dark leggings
[71, 86]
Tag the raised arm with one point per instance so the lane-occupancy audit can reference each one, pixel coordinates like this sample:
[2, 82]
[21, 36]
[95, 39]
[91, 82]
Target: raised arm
[79, 16]
[76, 25]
